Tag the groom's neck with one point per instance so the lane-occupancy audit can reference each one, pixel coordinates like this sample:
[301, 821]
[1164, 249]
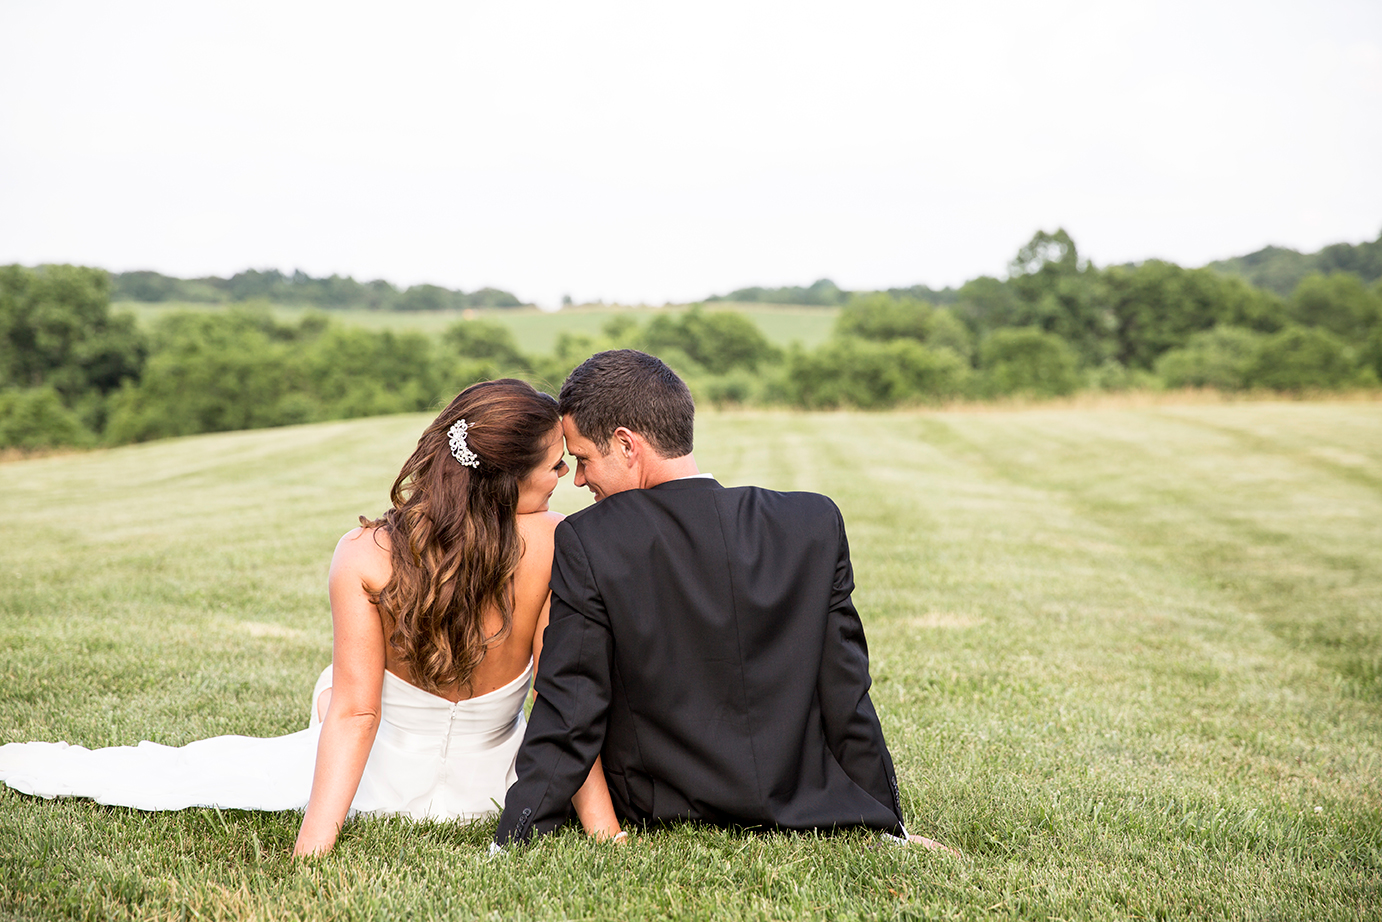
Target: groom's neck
[660, 470]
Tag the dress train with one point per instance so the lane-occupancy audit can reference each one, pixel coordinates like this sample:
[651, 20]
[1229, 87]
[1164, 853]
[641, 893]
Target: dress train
[431, 758]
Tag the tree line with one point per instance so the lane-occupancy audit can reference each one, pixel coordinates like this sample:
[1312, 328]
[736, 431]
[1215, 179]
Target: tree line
[1278, 269]
[1281, 269]
[74, 373]
[825, 293]
[334, 292]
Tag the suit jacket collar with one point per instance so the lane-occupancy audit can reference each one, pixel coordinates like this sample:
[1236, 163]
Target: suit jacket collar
[689, 483]
[611, 504]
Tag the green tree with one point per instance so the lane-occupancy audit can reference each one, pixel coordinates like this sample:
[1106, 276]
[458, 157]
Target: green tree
[208, 373]
[984, 304]
[425, 298]
[56, 329]
[491, 342]
[379, 295]
[273, 287]
[1158, 306]
[1338, 302]
[863, 373]
[1280, 270]
[822, 292]
[1028, 360]
[144, 285]
[1220, 358]
[490, 297]
[336, 291]
[241, 369]
[947, 332]
[937, 296]
[1060, 293]
[266, 284]
[1046, 254]
[36, 418]
[882, 317]
[718, 341]
[1304, 358]
[569, 350]
[622, 332]
[349, 372]
[1371, 352]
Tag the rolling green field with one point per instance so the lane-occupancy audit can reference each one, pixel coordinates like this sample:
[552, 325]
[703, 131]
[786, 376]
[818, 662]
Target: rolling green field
[536, 331]
[1128, 660]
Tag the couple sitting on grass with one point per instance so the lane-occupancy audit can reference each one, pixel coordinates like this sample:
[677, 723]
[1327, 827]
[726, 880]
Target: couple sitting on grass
[697, 655]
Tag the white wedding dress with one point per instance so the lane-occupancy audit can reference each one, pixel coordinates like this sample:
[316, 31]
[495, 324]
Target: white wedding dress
[432, 758]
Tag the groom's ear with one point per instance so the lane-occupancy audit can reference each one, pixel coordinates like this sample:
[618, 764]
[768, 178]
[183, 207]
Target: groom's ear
[627, 443]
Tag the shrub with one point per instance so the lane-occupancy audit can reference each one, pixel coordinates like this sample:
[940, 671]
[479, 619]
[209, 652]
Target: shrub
[1028, 360]
[208, 389]
[866, 374]
[1370, 355]
[1339, 303]
[1220, 358]
[985, 303]
[734, 389]
[718, 341]
[1159, 306]
[56, 329]
[36, 418]
[881, 317]
[947, 332]
[1113, 375]
[354, 372]
[1300, 358]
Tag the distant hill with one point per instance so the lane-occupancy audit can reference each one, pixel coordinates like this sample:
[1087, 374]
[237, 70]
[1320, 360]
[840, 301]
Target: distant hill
[333, 292]
[822, 293]
[825, 293]
[1279, 269]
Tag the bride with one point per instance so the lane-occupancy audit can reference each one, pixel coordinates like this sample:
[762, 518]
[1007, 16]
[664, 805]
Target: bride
[437, 611]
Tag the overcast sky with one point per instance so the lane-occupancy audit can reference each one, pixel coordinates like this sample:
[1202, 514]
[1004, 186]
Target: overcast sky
[653, 151]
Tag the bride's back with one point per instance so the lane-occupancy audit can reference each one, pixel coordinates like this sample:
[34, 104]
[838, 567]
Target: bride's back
[457, 569]
[507, 657]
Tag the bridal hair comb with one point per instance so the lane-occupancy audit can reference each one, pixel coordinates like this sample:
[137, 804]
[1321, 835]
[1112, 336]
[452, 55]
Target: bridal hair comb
[459, 449]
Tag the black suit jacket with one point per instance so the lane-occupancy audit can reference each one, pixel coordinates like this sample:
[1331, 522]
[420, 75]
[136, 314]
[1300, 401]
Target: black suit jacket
[703, 640]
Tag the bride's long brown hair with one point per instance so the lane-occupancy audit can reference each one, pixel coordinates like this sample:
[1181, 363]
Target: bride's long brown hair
[453, 532]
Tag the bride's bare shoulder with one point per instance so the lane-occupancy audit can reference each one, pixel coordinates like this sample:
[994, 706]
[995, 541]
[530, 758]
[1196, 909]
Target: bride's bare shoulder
[536, 529]
[365, 550]
[539, 526]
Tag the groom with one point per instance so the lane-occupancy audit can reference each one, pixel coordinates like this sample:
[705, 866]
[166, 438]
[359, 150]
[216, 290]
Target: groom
[701, 638]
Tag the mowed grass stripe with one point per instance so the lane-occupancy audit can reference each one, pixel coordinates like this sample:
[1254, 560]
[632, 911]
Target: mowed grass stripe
[1295, 540]
[1111, 651]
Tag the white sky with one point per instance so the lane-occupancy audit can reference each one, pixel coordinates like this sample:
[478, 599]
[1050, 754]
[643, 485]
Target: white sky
[646, 151]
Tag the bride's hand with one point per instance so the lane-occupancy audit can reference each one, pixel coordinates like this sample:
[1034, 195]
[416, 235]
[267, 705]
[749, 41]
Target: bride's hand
[309, 845]
[931, 844]
[596, 811]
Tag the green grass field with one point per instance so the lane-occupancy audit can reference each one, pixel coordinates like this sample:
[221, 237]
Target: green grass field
[1129, 661]
[537, 331]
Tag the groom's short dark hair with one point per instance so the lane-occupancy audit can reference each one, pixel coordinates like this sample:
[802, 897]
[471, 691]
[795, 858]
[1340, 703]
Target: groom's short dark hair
[625, 387]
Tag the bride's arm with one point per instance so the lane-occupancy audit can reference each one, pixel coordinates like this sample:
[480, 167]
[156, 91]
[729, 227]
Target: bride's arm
[352, 719]
[594, 808]
[592, 802]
